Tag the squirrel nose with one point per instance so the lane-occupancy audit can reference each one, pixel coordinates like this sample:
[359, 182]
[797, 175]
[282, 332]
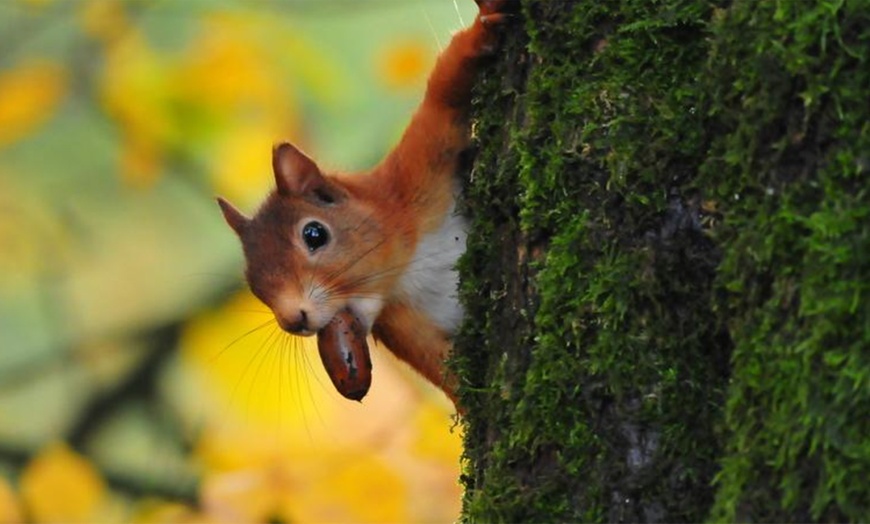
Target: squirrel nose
[295, 322]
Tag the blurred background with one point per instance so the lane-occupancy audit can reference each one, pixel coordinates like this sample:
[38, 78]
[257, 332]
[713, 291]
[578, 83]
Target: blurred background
[139, 381]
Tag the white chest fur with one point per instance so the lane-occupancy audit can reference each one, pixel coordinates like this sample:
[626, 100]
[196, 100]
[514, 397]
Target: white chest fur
[431, 279]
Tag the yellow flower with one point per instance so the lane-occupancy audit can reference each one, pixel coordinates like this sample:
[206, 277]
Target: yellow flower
[60, 485]
[29, 94]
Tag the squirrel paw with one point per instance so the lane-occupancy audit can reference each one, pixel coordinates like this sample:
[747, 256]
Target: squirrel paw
[496, 12]
[492, 15]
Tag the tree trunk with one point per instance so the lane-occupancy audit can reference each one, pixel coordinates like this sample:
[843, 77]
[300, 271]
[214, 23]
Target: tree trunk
[668, 271]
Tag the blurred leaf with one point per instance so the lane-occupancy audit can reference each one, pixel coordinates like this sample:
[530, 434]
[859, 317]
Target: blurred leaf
[372, 490]
[36, 3]
[242, 167]
[137, 443]
[164, 253]
[152, 511]
[29, 94]
[244, 496]
[228, 67]
[104, 20]
[329, 484]
[33, 239]
[135, 91]
[197, 100]
[61, 486]
[10, 510]
[235, 106]
[404, 65]
[314, 70]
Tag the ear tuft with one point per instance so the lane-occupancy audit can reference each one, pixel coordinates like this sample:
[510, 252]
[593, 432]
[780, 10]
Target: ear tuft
[236, 220]
[295, 173]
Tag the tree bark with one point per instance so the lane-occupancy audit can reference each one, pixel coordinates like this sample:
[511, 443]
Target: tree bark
[668, 271]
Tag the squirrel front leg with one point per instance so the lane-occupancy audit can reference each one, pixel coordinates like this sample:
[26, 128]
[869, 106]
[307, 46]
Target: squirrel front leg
[455, 72]
[424, 161]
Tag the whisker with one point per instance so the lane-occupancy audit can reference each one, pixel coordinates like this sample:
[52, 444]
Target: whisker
[278, 369]
[331, 277]
[293, 376]
[296, 350]
[333, 284]
[432, 28]
[282, 350]
[234, 342]
[355, 261]
[223, 276]
[402, 268]
[458, 14]
[311, 274]
[289, 368]
[265, 357]
[254, 311]
[254, 357]
[311, 373]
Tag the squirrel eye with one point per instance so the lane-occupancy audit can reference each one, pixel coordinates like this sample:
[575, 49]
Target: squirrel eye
[315, 235]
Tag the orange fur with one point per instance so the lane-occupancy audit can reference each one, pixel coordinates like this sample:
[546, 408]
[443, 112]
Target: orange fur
[413, 338]
[374, 221]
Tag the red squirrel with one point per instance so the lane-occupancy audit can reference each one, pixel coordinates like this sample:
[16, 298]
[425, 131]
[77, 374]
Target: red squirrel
[383, 244]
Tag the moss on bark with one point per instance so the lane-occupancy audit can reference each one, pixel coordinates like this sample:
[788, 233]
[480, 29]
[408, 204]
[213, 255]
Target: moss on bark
[666, 281]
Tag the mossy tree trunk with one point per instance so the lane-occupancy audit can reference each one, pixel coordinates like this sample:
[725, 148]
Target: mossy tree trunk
[668, 278]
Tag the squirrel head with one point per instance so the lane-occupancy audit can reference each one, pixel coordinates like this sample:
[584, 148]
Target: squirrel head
[316, 246]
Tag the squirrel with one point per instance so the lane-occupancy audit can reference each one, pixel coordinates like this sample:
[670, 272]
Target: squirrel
[381, 244]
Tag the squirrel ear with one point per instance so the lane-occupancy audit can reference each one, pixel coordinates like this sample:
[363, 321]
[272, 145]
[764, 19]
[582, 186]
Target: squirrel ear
[233, 216]
[295, 173]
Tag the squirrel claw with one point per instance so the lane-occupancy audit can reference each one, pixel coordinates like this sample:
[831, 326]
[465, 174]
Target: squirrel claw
[490, 8]
[494, 13]
[495, 19]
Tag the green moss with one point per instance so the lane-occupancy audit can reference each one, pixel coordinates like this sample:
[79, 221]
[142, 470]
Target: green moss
[605, 294]
[790, 89]
[590, 340]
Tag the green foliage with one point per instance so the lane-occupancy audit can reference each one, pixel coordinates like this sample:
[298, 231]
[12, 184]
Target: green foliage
[605, 296]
